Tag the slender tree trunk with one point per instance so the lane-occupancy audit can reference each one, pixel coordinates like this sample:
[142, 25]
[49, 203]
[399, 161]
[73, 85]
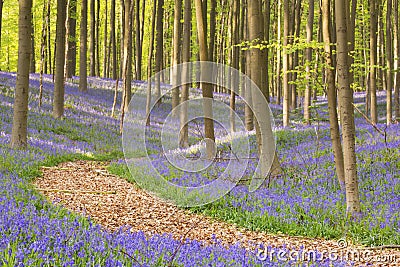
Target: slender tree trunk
[97, 36]
[159, 46]
[206, 87]
[213, 6]
[66, 39]
[267, 25]
[396, 32]
[235, 61]
[187, 22]
[177, 35]
[295, 54]
[127, 58]
[285, 65]
[138, 43]
[332, 96]
[92, 45]
[113, 41]
[83, 48]
[373, 59]
[20, 107]
[309, 51]
[71, 62]
[1, 18]
[43, 52]
[150, 61]
[389, 62]
[50, 60]
[58, 101]
[106, 50]
[346, 110]
[279, 56]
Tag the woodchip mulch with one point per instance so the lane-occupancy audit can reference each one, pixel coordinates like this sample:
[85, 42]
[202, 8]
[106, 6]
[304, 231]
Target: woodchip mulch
[86, 187]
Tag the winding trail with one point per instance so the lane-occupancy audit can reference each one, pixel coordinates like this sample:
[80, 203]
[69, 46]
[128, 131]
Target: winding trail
[87, 188]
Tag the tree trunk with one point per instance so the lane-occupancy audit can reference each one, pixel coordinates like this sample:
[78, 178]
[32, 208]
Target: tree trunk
[346, 110]
[127, 58]
[211, 54]
[159, 46]
[106, 49]
[285, 65]
[279, 56]
[309, 51]
[58, 101]
[20, 107]
[263, 128]
[207, 88]
[138, 43]
[97, 36]
[150, 61]
[113, 41]
[187, 22]
[332, 96]
[396, 32]
[1, 18]
[389, 62]
[83, 48]
[235, 61]
[373, 59]
[71, 62]
[92, 45]
[176, 54]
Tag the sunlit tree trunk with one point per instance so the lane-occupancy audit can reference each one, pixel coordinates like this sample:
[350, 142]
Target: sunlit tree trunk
[127, 57]
[285, 65]
[83, 48]
[159, 45]
[346, 109]
[71, 62]
[20, 107]
[92, 43]
[332, 95]
[113, 41]
[187, 22]
[58, 100]
[279, 56]
[177, 36]
[373, 58]
[396, 32]
[309, 51]
[389, 62]
[207, 88]
[105, 48]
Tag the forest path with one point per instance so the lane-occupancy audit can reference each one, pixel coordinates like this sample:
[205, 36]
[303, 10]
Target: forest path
[86, 187]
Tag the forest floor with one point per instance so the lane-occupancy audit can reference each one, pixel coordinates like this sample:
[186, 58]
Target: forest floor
[86, 187]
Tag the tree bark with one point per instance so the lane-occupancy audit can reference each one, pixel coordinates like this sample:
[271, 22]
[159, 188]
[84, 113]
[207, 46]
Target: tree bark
[58, 101]
[207, 88]
[373, 59]
[285, 65]
[71, 62]
[309, 52]
[92, 45]
[177, 36]
[113, 41]
[20, 107]
[159, 46]
[332, 96]
[396, 32]
[187, 22]
[346, 110]
[83, 48]
[389, 62]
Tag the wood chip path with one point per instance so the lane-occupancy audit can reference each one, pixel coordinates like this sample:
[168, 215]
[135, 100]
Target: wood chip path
[86, 187]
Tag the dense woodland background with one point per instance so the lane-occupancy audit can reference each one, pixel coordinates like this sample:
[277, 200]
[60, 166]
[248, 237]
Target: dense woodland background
[294, 51]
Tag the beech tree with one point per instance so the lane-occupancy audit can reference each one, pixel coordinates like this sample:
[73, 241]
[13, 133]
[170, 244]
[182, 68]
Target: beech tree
[20, 113]
[58, 101]
[207, 88]
[346, 108]
[83, 48]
